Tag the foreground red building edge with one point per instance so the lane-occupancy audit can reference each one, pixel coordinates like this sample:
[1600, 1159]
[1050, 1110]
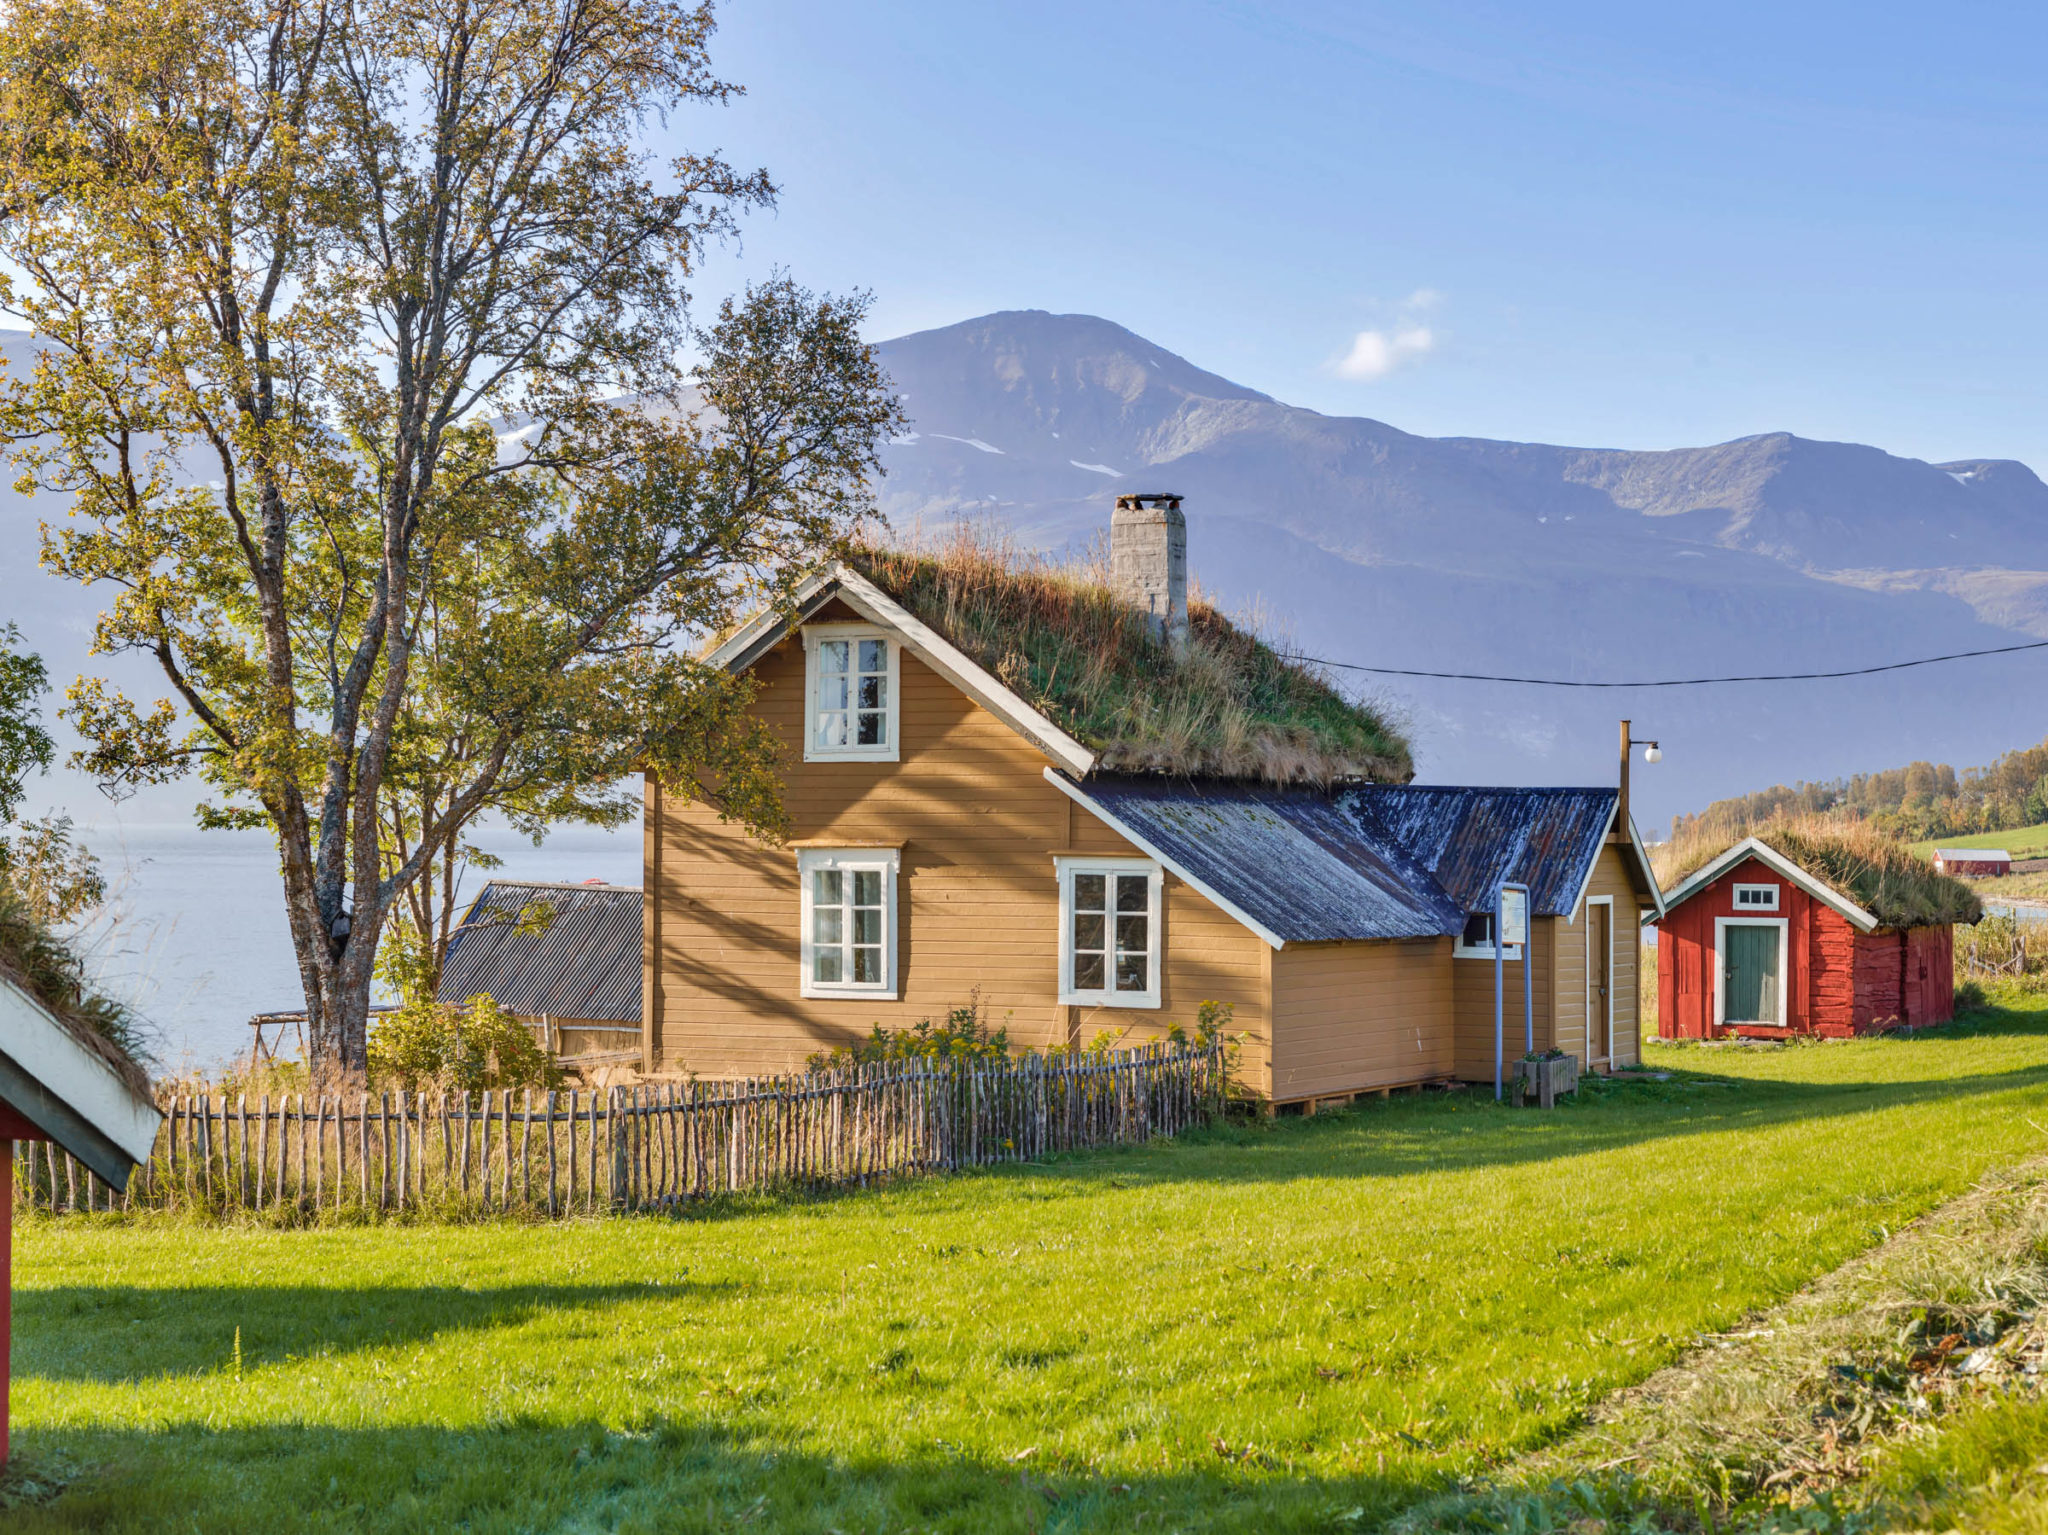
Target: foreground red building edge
[1840, 972]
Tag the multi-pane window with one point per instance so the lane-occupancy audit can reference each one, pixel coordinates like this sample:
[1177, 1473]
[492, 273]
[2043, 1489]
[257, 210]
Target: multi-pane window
[849, 922]
[1756, 897]
[1109, 933]
[853, 677]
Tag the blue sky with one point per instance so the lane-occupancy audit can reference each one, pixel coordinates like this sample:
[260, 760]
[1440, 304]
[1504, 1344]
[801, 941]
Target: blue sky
[1611, 225]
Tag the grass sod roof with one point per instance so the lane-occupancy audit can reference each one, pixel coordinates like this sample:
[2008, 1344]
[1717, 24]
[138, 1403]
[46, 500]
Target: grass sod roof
[1228, 705]
[46, 966]
[1886, 878]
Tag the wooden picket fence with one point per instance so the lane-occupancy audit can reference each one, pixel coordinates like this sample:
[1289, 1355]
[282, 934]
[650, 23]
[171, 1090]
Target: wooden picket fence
[650, 1147]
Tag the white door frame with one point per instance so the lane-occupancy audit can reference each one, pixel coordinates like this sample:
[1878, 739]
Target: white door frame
[1608, 1032]
[1721, 926]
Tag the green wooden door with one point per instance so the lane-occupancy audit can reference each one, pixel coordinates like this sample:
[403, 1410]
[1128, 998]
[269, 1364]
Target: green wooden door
[1752, 966]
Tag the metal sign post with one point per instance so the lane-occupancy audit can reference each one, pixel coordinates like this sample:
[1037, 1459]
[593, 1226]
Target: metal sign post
[1511, 926]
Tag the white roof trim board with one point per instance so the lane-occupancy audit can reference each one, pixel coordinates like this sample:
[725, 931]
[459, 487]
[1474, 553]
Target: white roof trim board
[1643, 866]
[59, 1085]
[1080, 797]
[1778, 863]
[767, 629]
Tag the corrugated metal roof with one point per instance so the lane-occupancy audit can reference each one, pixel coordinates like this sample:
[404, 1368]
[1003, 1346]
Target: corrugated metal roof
[1473, 840]
[1295, 861]
[584, 963]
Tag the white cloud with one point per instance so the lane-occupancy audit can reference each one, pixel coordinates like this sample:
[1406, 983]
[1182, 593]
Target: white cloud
[1376, 353]
[1425, 298]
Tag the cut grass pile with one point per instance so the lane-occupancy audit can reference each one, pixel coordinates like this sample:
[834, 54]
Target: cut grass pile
[1307, 1325]
[1228, 705]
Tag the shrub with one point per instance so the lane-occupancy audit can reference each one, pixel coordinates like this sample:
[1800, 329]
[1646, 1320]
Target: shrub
[465, 1049]
[966, 1036]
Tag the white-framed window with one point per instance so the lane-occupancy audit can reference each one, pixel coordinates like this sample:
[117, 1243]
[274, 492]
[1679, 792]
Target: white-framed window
[1476, 942]
[1756, 897]
[851, 676]
[848, 913]
[1111, 936]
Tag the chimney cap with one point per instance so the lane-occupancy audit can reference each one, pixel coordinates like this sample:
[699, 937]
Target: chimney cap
[1159, 497]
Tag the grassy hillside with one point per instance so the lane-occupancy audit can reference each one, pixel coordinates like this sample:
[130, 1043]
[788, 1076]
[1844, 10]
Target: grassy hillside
[1921, 801]
[1301, 1325]
[2021, 842]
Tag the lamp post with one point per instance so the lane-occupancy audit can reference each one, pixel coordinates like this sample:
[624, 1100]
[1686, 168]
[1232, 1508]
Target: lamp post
[1629, 743]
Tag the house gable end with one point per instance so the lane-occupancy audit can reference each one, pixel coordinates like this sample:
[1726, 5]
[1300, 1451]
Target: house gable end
[845, 586]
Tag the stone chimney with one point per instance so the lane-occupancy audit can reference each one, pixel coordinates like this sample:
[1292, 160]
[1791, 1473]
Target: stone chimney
[1148, 561]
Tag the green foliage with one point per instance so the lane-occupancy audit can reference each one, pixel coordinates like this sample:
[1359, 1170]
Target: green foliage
[25, 746]
[467, 1049]
[1228, 705]
[1915, 803]
[57, 875]
[965, 1035]
[1292, 1325]
[50, 968]
[291, 267]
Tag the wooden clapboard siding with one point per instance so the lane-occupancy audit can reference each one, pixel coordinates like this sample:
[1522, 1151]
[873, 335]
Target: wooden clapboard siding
[1360, 1015]
[977, 904]
[1611, 879]
[1472, 1005]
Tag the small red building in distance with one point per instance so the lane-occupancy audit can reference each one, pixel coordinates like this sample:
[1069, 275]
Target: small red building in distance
[1756, 945]
[1973, 862]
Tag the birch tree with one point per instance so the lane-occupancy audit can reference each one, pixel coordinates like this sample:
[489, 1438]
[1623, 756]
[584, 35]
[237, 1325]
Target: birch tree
[331, 297]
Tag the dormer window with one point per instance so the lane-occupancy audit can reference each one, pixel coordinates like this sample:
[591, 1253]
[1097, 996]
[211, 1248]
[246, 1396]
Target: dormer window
[851, 674]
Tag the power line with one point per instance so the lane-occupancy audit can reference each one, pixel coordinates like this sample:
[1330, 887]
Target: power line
[1681, 682]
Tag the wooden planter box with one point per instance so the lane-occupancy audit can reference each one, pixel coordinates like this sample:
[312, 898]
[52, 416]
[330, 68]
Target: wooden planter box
[1547, 1081]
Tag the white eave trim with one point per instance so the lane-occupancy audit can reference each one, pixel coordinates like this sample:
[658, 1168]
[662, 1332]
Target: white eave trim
[70, 1073]
[1194, 882]
[1777, 862]
[755, 638]
[1643, 867]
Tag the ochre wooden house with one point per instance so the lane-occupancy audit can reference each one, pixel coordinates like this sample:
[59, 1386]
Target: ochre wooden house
[971, 818]
[1811, 937]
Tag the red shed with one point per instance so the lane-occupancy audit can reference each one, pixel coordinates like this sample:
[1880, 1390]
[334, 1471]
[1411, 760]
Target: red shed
[63, 1085]
[1754, 944]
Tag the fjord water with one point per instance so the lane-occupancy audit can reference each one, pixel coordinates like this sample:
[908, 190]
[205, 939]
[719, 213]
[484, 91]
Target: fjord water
[194, 933]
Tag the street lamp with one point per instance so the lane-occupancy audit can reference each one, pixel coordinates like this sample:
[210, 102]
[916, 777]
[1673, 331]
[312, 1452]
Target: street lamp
[1629, 743]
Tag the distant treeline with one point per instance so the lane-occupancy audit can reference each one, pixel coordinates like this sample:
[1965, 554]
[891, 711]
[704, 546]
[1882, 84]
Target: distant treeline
[1919, 801]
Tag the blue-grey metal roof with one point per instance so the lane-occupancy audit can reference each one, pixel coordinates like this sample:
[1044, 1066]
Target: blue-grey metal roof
[1295, 861]
[582, 961]
[1474, 840]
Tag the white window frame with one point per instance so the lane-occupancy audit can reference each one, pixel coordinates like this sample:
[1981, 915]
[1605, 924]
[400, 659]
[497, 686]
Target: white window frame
[1462, 950]
[809, 861]
[1721, 926]
[1155, 885]
[891, 750]
[1742, 906]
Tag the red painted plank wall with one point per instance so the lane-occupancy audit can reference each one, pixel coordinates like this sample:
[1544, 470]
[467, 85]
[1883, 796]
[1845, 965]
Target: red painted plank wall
[1839, 982]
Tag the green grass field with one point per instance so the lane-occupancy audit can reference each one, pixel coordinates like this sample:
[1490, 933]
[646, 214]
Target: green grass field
[1301, 1325]
[2025, 842]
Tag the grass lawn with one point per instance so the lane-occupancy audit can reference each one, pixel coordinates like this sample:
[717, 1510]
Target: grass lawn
[1294, 1326]
[2025, 842]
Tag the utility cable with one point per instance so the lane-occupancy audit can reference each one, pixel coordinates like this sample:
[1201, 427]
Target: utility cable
[1681, 682]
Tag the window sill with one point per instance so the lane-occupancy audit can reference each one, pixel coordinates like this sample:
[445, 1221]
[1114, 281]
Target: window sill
[853, 754]
[824, 991]
[1514, 952]
[1138, 1001]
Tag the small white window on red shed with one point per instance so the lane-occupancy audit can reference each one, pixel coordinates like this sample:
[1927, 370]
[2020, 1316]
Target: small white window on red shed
[1756, 897]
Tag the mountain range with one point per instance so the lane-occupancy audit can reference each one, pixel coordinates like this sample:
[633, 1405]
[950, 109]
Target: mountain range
[1360, 543]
